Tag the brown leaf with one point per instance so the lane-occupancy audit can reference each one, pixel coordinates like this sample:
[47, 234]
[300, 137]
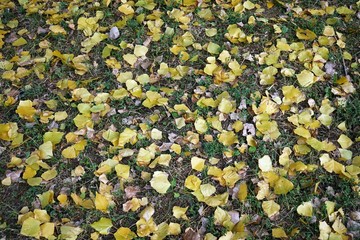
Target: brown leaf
[131, 191]
[190, 234]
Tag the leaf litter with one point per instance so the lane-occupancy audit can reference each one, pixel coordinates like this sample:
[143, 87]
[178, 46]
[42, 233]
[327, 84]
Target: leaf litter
[179, 119]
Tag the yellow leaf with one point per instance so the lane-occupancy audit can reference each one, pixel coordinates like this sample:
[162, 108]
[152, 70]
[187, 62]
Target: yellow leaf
[243, 191]
[210, 68]
[265, 164]
[130, 59]
[201, 125]
[306, 78]
[325, 230]
[69, 232]
[330, 207]
[46, 198]
[305, 209]
[69, 152]
[283, 186]
[248, 5]
[140, 51]
[213, 48]
[127, 136]
[210, 32]
[264, 190]
[228, 138]
[9, 75]
[122, 171]
[53, 137]
[176, 148]
[88, 25]
[238, 126]
[102, 226]
[160, 182]
[334, 166]
[344, 10]
[29, 172]
[126, 9]
[230, 175]
[57, 29]
[36, 181]
[344, 141]
[101, 203]
[284, 159]
[161, 232]
[226, 106]
[338, 226]
[124, 234]
[305, 34]
[329, 31]
[207, 189]
[91, 42]
[19, 42]
[217, 200]
[164, 159]
[156, 134]
[270, 208]
[303, 132]
[41, 215]
[223, 218]
[317, 145]
[6, 181]
[174, 228]
[31, 228]
[144, 157]
[278, 233]
[345, 154]
[111, 136]
[46, 150]
[145, 228]
[192, 182]
[197, 163]
[179, 212]
[62, 198]
[47, 230]
[49, 174]
[26, 110]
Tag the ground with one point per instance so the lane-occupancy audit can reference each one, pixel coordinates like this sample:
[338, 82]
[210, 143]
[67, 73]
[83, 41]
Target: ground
[179, 119]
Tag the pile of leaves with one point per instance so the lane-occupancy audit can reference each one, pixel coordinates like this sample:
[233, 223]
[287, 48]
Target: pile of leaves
[193, 119]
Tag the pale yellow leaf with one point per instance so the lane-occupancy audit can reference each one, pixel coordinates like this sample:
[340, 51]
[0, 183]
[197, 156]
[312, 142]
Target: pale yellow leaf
[160, 182]
[305, 209]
